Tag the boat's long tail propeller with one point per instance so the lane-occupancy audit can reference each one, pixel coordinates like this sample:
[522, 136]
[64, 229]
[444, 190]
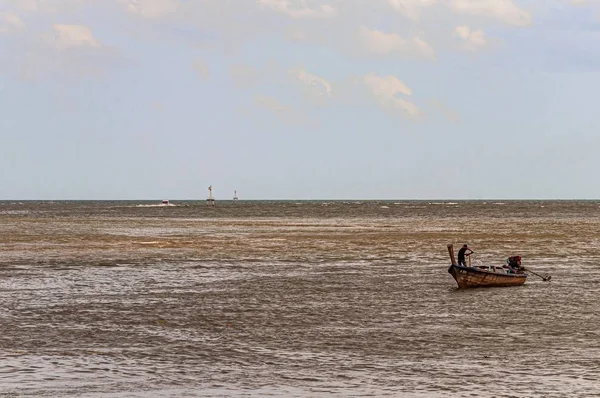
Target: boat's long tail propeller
[545, 278]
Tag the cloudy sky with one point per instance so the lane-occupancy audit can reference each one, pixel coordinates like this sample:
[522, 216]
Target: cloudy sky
[299, 99]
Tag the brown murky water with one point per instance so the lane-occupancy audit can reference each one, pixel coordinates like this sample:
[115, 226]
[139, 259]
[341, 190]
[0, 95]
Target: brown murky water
[106, 299]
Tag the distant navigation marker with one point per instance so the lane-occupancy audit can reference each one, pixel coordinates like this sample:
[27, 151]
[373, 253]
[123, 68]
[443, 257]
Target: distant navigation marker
[211, 200]
[235, 195]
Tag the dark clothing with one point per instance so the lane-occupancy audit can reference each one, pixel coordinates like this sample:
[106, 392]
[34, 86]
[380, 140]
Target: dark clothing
[461, 256]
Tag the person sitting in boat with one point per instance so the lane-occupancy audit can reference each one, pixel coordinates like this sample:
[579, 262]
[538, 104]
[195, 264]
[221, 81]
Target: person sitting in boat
[514, 263]
[462, 255]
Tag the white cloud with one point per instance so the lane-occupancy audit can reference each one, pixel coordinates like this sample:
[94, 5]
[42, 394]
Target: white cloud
[272, 104]
[386, 91]
[244, 75]
[317, 85]
[286, 7]
[71, 36]
[10, 23]
[158, 106]
[27, 5]
[45, 6]
[62, 50]
[283, 112]
[151, 9]
[503, 10]
[450, 114]
[297, 34]
[70, 51]
[471, 39]
[381, 43]
[202, 68]
[411, 8]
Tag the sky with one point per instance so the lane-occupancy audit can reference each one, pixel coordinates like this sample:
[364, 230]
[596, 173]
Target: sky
[299, 99]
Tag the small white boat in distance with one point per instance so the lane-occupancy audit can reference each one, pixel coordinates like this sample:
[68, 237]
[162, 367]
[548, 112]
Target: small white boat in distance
[165, 202]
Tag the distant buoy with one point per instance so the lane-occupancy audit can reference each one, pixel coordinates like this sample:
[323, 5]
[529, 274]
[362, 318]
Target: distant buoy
[211, 200]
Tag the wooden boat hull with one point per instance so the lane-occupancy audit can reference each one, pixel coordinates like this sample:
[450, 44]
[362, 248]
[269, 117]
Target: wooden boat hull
[469, 277]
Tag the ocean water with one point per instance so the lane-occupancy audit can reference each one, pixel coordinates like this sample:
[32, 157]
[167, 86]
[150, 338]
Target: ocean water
[296, 299]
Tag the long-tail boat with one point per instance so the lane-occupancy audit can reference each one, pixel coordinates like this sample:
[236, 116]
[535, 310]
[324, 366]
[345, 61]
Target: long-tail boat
[485, 276]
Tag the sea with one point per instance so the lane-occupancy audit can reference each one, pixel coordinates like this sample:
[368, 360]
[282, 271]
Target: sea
[296, 299]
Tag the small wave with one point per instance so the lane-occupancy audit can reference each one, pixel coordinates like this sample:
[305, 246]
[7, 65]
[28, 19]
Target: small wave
[157, 205]
[15, 212]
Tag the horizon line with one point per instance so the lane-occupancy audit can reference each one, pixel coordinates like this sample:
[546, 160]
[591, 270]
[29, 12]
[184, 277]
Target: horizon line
[307, 200]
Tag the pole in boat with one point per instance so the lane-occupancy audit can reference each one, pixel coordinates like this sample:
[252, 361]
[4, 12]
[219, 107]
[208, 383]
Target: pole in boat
[451, 253]
[211, 200]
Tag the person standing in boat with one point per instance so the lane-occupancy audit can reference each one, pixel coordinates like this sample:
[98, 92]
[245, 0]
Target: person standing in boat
[462, 255]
